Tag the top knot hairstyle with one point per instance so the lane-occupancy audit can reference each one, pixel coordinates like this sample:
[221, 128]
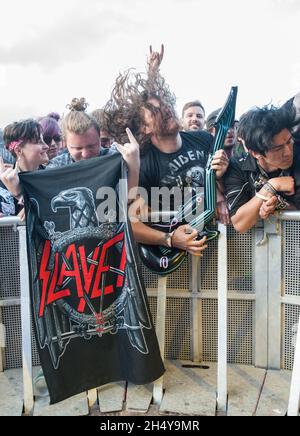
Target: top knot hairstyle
[129, 96]
[50, 127]
[78, 104]
[54, 115]
[77, 120]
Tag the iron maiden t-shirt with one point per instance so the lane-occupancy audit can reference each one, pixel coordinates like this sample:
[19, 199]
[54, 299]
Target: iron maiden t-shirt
[184, 168]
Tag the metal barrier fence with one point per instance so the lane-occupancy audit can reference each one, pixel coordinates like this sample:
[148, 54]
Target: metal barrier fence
[263, 291]
[263, 298]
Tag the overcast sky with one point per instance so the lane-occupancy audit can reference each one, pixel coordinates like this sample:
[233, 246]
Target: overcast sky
[52, 51]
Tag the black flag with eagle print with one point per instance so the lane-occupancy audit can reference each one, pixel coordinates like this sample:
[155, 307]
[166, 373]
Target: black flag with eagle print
[89, 305]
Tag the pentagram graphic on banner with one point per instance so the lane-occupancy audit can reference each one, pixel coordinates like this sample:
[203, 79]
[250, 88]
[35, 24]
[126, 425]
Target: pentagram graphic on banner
[92, 320]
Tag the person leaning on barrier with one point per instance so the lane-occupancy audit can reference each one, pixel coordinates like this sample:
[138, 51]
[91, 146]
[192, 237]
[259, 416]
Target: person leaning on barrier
[25, 142]
[268, 177]
[81, 136]
[169, 158]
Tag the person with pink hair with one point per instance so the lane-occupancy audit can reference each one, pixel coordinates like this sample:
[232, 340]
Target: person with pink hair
[51, 133]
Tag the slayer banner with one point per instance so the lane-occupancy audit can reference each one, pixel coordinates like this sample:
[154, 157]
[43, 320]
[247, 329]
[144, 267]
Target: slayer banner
[89, 305]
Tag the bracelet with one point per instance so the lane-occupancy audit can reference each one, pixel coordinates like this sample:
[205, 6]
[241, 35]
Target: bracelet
[270, 188]
[262, 197]
[171, 234]
[168, 239]
[281, 203]
[20, 200]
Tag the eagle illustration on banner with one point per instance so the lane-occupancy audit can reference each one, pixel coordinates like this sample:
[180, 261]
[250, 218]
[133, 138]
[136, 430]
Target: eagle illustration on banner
[88, 298]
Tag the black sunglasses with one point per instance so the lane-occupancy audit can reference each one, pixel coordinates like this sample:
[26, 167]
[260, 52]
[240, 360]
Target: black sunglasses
[48, 139]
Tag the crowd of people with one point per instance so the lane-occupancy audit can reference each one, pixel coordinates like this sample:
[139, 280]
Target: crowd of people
[257, 172]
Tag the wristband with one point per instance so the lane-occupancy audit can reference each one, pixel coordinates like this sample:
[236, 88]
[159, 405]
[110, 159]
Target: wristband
[20, 200]
[270, 188]
[168, 239]
[262, 197]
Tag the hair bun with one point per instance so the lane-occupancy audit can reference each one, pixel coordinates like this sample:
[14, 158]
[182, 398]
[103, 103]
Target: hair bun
[78, 104]
[54, 115]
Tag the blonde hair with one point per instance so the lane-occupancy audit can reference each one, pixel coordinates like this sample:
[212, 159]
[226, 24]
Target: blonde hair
[77, 120]
[97, 114]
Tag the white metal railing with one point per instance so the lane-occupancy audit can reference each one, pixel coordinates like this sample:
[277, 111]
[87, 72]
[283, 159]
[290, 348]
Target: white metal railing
[26, 323]
[11, 221]
[294, 399]
[222, 385]
[289, 216]
[158, 388]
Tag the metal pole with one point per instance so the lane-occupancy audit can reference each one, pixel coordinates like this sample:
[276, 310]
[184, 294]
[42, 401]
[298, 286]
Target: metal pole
[2, 342]
[160, 332]
[275, 276]
[26, 323]
[260, 280]
[294, 399]
[196, 330]
[11, 221]
[222, 320]
[288, 216]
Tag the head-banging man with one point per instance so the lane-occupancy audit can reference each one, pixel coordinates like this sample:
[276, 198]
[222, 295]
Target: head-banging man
[169, 157]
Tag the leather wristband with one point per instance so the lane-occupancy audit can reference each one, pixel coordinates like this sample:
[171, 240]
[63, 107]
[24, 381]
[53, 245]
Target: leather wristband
[262, 197]
[270, 188]
[168, 239]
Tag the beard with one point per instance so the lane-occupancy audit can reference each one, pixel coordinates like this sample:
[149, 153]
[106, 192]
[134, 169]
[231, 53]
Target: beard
[194, 126]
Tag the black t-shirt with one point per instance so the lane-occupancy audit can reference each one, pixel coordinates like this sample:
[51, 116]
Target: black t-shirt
[243, 173]
[184, 168]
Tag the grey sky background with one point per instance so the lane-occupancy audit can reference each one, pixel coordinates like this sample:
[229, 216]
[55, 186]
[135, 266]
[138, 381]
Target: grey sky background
[53, 51]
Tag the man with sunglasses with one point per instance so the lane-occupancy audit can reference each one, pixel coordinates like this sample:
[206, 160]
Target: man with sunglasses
[268, 177]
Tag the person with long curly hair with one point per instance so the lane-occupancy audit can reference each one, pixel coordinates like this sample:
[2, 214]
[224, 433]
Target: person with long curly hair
[169, 158]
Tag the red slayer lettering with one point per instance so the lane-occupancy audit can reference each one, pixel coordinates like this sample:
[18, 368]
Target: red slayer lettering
[104, 268]
[87, 278]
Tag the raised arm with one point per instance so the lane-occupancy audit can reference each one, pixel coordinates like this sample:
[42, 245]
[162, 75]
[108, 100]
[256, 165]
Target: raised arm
[154, 60]
[130, 152]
